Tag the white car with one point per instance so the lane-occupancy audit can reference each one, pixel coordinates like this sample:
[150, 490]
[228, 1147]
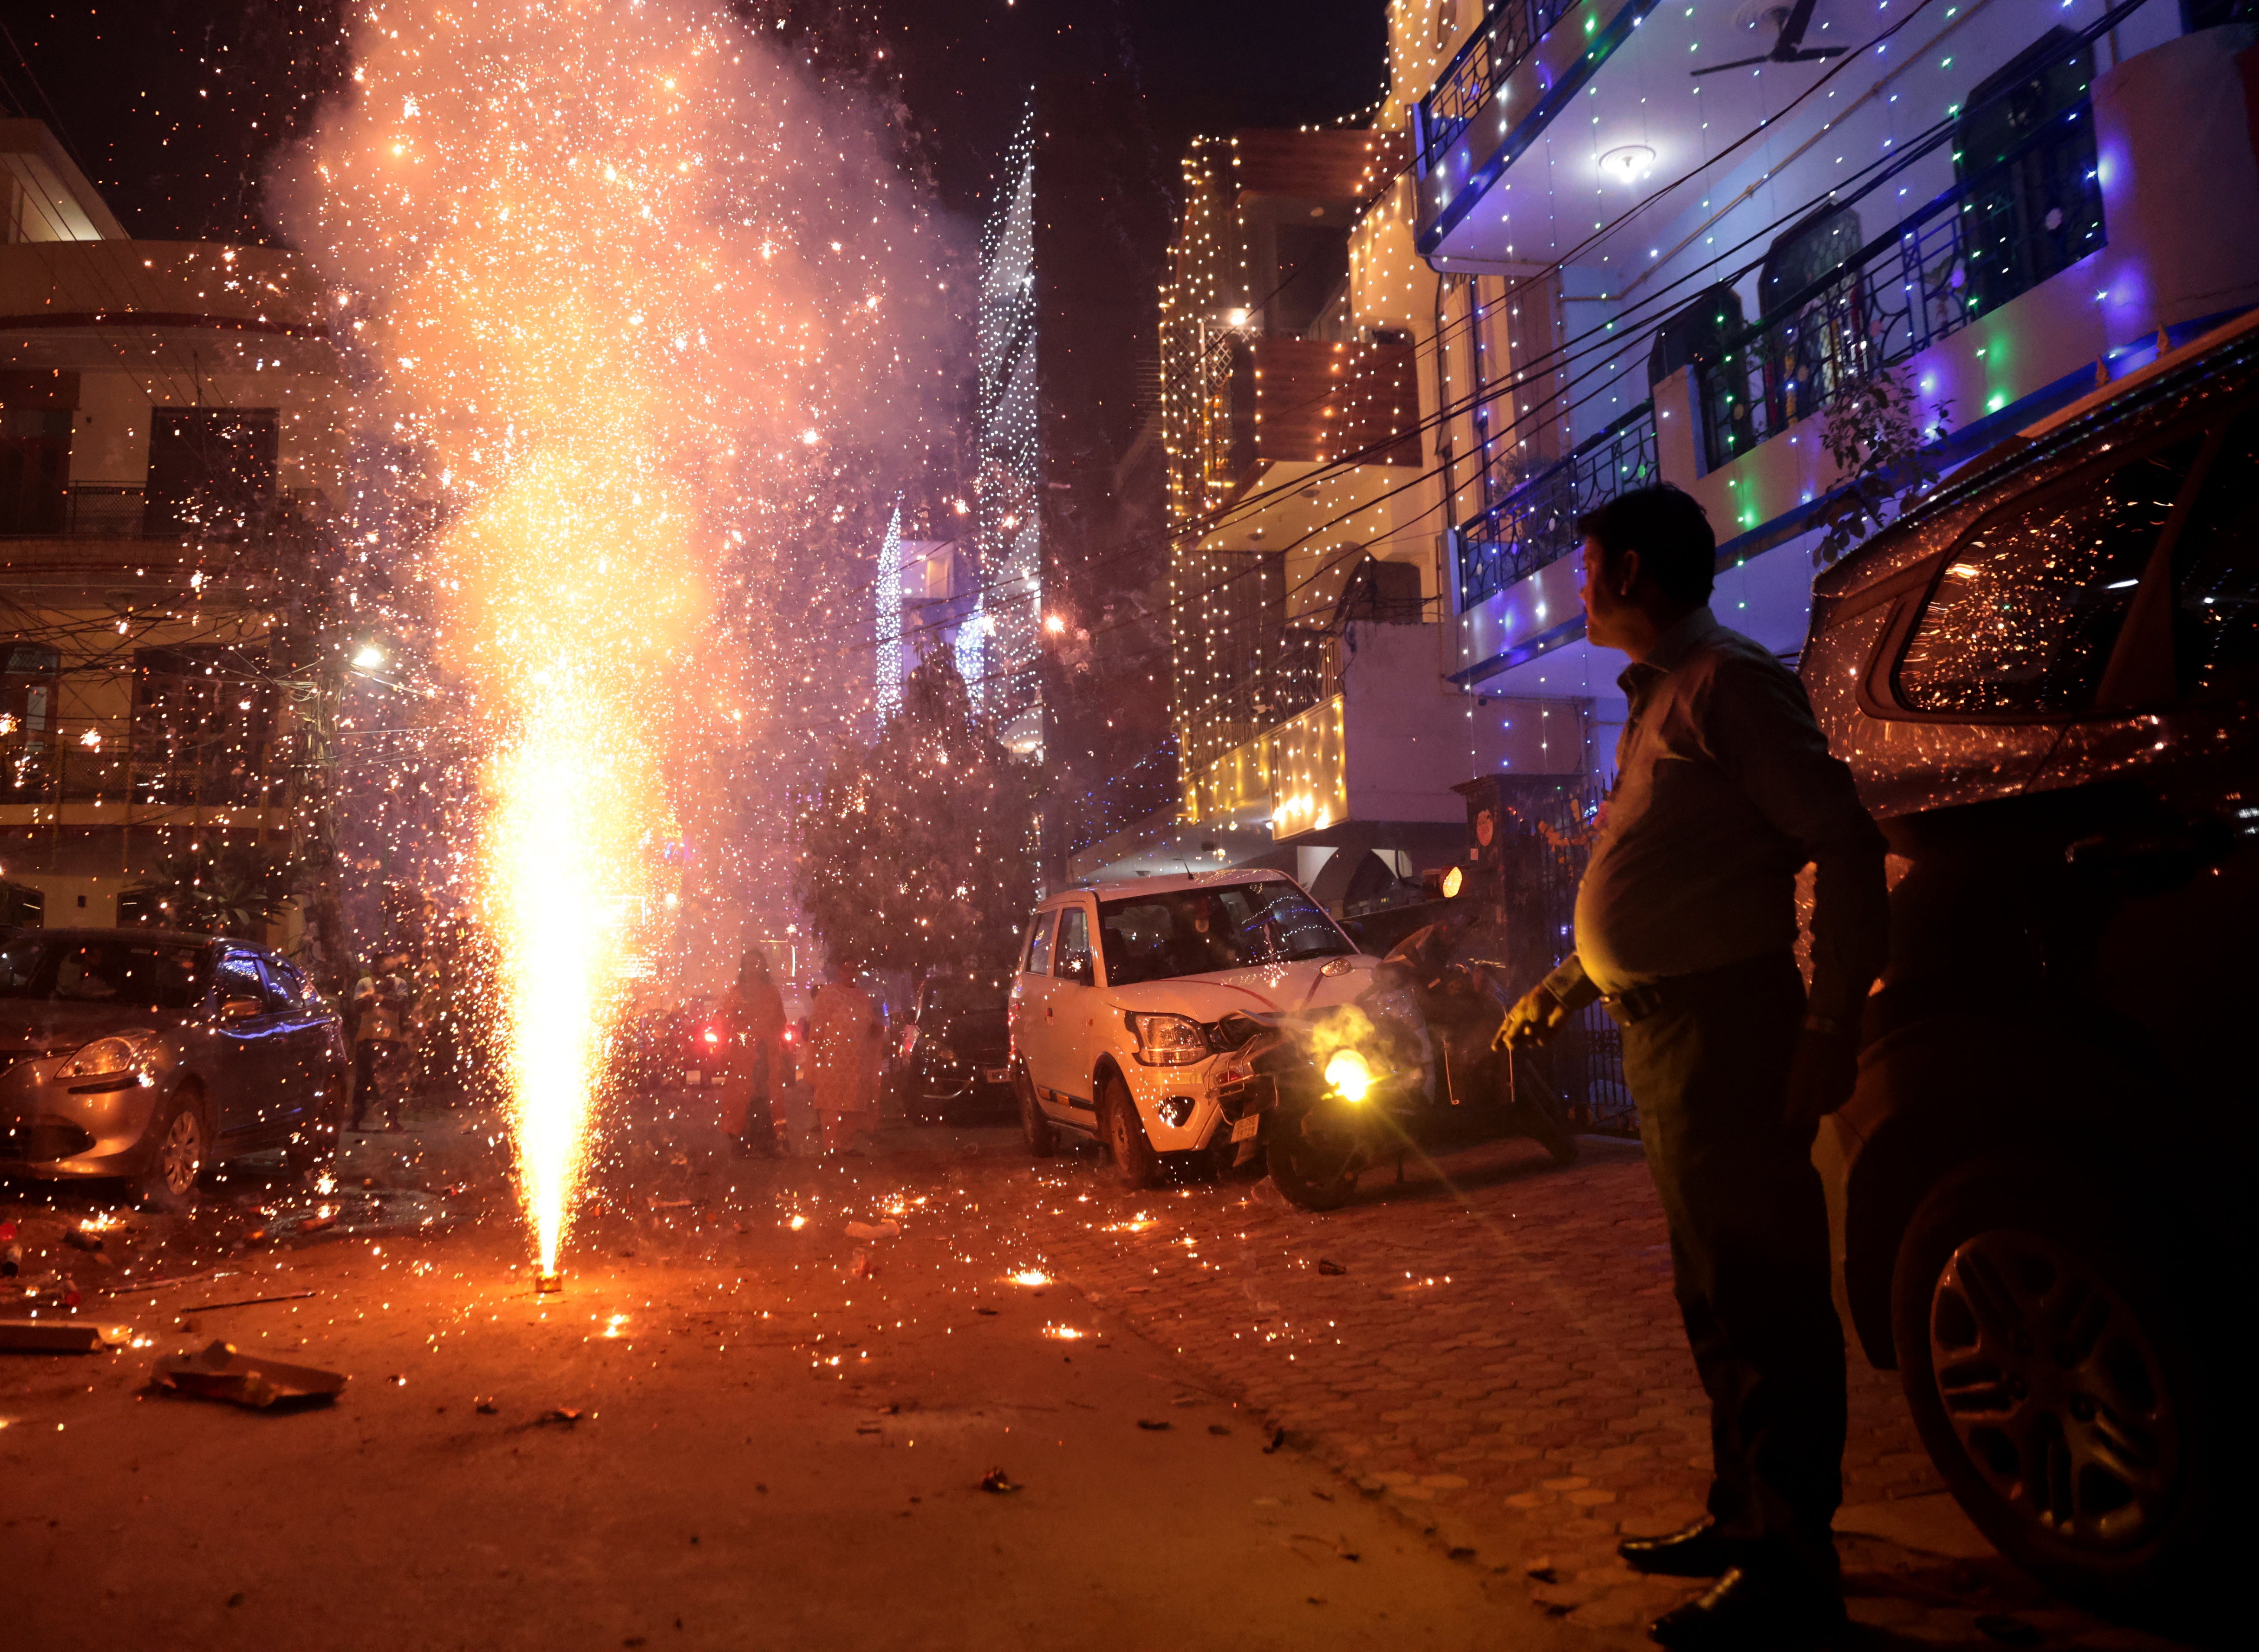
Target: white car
[1121, 988]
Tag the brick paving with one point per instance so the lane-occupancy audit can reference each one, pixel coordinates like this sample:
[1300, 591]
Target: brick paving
[1492, 1346]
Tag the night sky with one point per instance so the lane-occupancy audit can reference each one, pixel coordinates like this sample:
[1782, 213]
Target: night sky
[173, 105]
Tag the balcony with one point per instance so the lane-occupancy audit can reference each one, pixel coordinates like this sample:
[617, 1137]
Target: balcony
[1304, 401]
[1989, 239]
[1561, 44]
[1536, 523]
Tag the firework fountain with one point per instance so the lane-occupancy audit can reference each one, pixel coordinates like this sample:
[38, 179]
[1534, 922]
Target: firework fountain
[621, 278]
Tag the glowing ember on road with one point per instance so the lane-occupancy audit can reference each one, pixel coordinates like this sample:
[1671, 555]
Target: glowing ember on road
[1032, 1276]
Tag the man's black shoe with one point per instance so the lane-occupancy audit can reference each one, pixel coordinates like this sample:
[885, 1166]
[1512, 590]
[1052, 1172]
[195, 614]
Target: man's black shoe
[1743, 1613]
[1694, 1551]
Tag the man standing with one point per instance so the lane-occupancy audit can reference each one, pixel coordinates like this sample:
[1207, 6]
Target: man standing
[381, 1003]
[1685, 930]
[752, 1017]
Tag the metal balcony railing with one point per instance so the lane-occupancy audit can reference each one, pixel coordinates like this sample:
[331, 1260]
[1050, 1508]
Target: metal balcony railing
[1991, 238]
[1536, 523]
[1509, 32]
[34, 772]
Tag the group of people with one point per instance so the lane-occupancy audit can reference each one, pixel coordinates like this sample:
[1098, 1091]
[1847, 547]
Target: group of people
[845, 1041]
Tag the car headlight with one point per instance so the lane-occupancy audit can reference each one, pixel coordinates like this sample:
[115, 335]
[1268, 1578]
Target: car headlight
[1349, 1075]
[119, 1052]
[1168, 1041]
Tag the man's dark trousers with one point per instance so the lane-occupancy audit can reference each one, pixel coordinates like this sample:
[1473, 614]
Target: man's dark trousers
[1748, 1252]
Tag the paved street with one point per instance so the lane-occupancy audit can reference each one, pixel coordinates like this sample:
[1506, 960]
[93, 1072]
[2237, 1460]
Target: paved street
[1470, 1386]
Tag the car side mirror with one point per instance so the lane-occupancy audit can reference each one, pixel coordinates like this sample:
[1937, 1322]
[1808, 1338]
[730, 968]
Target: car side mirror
[241, 1009]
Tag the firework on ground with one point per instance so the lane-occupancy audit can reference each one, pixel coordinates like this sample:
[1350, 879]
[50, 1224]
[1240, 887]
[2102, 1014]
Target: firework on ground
[623, 285]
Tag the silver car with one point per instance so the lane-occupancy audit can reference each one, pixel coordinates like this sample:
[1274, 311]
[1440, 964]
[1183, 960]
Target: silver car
[148, 1055]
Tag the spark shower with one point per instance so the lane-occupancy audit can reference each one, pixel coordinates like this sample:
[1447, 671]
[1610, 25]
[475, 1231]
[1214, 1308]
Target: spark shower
[625, 284]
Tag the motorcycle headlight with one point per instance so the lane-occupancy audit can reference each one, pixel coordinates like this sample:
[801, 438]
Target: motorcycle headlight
[1168, 1041]
[119, 1052]
[1349, 1075]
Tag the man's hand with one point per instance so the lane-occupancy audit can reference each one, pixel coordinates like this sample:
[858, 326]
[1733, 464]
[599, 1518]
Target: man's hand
[1820, 1076]
[1533, 1021]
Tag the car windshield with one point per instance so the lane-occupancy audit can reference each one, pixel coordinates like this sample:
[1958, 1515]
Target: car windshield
[1154, 938]
[131, 974]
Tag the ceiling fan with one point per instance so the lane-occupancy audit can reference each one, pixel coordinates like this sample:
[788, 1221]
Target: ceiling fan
[1788, 46]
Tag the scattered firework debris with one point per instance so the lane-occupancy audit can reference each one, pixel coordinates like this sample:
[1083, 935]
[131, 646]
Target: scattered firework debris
[222, 1372]
[60, 1336]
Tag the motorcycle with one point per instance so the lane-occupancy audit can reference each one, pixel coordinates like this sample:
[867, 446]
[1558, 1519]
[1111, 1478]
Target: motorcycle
[1325, 1095]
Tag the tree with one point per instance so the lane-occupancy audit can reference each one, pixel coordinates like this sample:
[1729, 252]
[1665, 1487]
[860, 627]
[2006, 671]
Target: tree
[918, 854]
[239, 890]
[1874, 431]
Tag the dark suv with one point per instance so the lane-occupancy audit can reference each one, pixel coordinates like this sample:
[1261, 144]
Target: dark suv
[150, 1054]
[956, 1057]
[2044, 680]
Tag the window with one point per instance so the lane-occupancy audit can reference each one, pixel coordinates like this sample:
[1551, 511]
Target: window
[1073, 963]
[240, 978]
[1037, 960]
[203, 729]
[2022, 622]
[211, 471]
[35, 443]
[287, 991]
[142, 975]
[1199, 931]
[2216, 568]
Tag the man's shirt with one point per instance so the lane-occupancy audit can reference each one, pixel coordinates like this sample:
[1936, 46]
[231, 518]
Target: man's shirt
[1724, 790]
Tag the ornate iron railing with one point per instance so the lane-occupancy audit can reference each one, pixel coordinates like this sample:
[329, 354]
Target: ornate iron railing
[1536, 523]
[1991, 238]
[1509, 32]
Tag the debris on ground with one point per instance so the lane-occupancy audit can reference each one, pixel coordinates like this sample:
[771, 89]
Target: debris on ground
[874, 1229]
[60, 1336]
[1278, 1439]
[566, 1415]
[221, 1371]
[79, 1239]
[1328, 1266]
[1218, 1428]
[248, 1301]
[1151, 1426]
[486, 1407]
[861, 1268]
[996, 1480]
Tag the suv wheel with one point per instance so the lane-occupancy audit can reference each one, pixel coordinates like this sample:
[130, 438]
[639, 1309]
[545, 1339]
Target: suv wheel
[1131, 1150]
[180, 1151]
[1042, 1140]
[2055, 1388]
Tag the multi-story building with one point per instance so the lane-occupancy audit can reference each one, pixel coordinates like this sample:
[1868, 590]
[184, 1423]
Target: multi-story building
[1008, 492]
[1673, 244]
[1612, 242]
[170, 454]
[1317, 726]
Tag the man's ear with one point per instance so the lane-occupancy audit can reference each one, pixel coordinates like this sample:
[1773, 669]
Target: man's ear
[1625, 575]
